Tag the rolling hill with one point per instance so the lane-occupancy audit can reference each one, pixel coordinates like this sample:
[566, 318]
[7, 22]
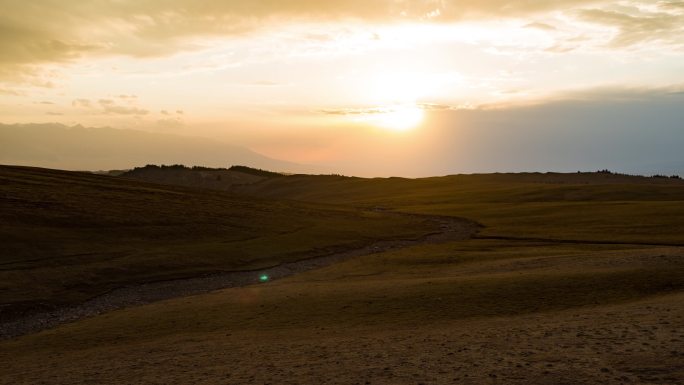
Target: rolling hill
[556, 206]
[577, 278]
[70, 236]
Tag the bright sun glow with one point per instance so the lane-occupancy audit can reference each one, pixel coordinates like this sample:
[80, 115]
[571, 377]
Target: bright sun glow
[398, 119]
[400, 87]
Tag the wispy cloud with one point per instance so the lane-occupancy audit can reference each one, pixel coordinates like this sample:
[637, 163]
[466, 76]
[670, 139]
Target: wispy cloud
[636, 26]
[109, 106]
[542, 26]
[265, 83]
[390, 109]
[83, 103]
[11, 92]
[43, 31]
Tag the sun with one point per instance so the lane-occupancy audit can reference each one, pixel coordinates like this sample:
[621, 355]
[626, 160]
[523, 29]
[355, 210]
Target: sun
[397, 119]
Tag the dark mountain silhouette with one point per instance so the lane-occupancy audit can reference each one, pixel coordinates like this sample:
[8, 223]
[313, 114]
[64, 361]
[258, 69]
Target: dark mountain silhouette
[203, 177]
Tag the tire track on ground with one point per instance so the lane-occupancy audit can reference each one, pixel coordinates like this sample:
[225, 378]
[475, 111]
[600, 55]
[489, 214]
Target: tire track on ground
[575, 241]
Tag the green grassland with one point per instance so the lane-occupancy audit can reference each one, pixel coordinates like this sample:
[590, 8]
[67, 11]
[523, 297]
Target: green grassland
[69, 236]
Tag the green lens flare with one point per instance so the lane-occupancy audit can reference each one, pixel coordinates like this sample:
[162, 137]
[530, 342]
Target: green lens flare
[263, 278]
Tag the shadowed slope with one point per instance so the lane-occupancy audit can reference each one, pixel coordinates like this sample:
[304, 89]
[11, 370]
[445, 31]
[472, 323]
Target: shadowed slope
[200, 177]
[69, 236]
[587, 207]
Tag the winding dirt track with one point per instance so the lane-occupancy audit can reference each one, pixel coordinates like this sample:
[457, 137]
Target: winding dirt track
[451, 229]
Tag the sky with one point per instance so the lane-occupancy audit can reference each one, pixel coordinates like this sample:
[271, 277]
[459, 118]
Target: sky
[371, 88]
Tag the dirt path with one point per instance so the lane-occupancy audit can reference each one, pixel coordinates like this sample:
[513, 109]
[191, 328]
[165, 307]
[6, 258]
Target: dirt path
[576, 241]
[451, 228]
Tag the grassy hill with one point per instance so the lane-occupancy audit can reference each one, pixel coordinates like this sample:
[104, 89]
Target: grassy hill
[68, 236]
[224, 179]
[601, 206]
[514, 310]
[582, 206]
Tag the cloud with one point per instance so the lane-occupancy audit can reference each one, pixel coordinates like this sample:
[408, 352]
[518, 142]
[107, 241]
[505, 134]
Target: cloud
[542, 26]
[635, 26]
[170, 123]
[26, 39]
[670, 4]
[52, 31]
[265, 83]
[385, 110]
[33, 33]
[609, 94]
[84, 103]
[354, 111]
[10, 92]
[438, 107]
[109, 106]
[122, 110]
[621, 94]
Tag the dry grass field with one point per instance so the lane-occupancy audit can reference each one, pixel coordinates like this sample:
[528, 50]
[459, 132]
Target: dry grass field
[573, 280]
[70, 236]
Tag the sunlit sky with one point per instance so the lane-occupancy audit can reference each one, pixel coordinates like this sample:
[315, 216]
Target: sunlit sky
[351, 84]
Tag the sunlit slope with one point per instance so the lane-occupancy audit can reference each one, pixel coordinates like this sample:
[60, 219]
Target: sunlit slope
[472, 307]
[475, 188]
[582, 206]
[67, 236]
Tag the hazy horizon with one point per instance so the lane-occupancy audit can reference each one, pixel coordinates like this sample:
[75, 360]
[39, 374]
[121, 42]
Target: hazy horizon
[382, 88]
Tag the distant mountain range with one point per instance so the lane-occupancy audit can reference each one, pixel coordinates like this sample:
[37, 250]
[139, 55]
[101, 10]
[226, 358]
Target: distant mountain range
[58, 146]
